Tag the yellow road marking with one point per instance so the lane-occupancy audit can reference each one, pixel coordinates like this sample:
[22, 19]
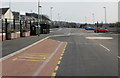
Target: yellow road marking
[61, 54]
[29, 60]
[56, 68]
[53, 75]
[59, 62]
[60, 58]
[32, 57]
[15, 59]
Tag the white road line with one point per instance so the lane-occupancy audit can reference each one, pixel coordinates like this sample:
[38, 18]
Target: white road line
[39, 70]
[19, 51]
[118, 57]
[104, 47]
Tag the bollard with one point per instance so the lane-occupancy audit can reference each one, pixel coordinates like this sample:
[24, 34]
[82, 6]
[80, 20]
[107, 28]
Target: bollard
[14, 24]
[21, 29]
[2, 29]
[6, 27]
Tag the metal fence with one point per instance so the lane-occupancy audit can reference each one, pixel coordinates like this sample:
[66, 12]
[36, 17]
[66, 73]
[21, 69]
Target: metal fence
[12, 25]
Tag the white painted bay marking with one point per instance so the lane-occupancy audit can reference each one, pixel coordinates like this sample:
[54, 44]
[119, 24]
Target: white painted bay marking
[99, 38]
[118, 57]
[104, 47]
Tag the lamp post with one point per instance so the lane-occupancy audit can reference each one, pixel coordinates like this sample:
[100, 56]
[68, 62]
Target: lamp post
[51, 14]
[39, 17]
[85, 19]
[93, 17]
[105, 14]
[9, 14]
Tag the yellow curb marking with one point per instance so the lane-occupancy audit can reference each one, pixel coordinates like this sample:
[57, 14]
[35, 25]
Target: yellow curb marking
[54, 74]
[60, 58]
[61, 54]
[59, 62]
[56, 68]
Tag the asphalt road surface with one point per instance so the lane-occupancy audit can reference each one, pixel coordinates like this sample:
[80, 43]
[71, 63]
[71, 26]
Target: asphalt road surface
[88, 57]
[86, 54]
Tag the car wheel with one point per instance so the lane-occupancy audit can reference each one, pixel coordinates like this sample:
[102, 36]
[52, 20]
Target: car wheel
[97, 31]
[105, 31]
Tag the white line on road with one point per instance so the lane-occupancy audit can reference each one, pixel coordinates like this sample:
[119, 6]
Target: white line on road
[118, 57]
[104, 47]
[45, 63]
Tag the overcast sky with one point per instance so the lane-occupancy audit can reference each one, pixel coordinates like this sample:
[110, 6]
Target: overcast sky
[70, 10]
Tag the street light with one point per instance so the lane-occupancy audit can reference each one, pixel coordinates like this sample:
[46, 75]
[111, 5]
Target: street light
[51, 14]
[93, 17]
[39, 17]
[85, 19]
[105, 14]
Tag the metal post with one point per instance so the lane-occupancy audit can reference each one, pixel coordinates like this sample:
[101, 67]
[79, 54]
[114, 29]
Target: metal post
[105, 14]
[21, 29]
[93, 18]
[86, 19]
[51, 15]
[30, 28]
[14, 24]
[2, 28]
[97, 24]
[6, 28]
[38, 12]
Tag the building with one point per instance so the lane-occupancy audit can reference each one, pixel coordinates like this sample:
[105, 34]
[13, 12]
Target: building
[34, 17]
[16, 15]
[6, 14]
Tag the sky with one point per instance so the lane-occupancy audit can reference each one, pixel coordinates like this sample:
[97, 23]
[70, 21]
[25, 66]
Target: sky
[70, 10]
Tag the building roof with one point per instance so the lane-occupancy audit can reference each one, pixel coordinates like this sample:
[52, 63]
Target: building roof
[3, 10]
[16, 15]
[36, 16]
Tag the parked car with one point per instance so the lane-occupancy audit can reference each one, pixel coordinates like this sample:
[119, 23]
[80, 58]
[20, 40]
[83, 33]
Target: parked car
[89, 28]
[97, 30]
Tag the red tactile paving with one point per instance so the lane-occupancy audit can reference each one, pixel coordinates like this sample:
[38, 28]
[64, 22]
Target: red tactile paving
[28, 62]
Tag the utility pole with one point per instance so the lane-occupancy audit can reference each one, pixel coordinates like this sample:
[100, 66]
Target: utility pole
[85, 19]
[38, 11]
[105, 14]
[51, 15]
[93, 18]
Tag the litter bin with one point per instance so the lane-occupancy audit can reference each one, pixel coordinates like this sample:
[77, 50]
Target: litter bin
[34, 30]
[45, 28]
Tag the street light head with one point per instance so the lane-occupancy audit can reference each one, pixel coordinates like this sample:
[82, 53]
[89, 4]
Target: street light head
[40, 6]
[104, 7]
[51, 7]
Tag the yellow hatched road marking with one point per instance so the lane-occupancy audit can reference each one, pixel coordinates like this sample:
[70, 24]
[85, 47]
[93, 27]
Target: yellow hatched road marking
[15, 59]
[29, 60]
[32, 57]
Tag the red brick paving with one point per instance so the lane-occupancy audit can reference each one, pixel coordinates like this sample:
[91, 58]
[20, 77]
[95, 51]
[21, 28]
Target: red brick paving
[23, 65]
